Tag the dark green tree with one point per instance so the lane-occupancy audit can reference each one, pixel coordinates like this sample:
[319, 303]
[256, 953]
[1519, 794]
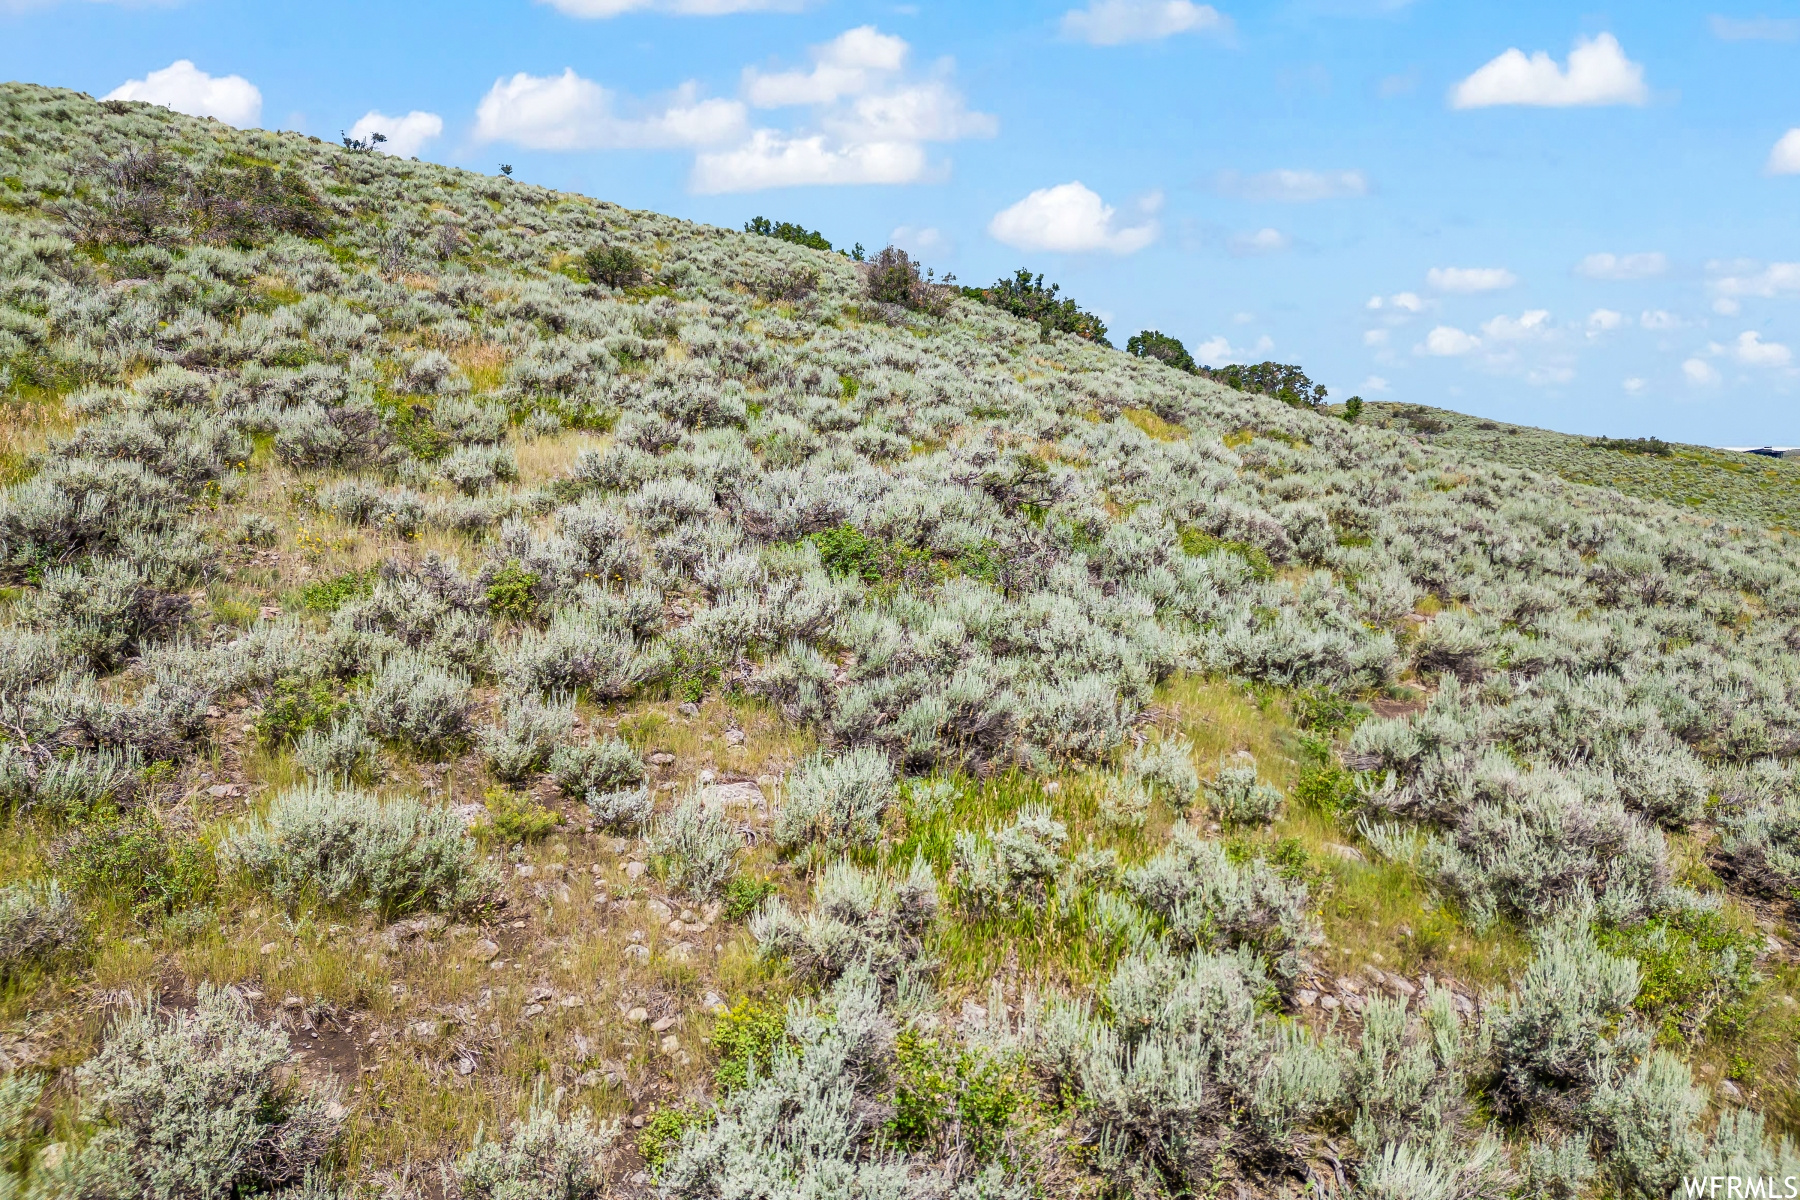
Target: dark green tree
[1286, 383]
[1353, 408]
[615, 266]
[894, 278]
[1163, 348]
[1024, 295]
[787, 231]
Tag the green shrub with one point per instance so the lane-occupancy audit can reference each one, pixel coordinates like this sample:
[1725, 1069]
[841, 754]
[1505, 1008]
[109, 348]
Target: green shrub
[950, 1098]
[512, 592]
[133, 857]
[787, 231]
[744, 1038]
[38, 923]
[1165, 349]
[295, 706]
[745, 894]
[1198, 543]
[517, 817]
[1024, 295]
[329, 595]
[1695, 968]
[696, 846]
[661, 1136]
[615, 266]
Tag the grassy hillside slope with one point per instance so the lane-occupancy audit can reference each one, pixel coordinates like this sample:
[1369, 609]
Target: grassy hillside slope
[506, 696]
[1744, 489]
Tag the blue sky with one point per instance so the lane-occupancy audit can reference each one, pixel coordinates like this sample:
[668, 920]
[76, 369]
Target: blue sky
[1583, 219]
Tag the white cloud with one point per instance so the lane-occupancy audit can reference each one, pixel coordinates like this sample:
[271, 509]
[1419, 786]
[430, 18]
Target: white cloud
[1633, 385]
[1754, 29]
[1598, 73]
[1263, 241]
[921, 241]
[1115, 22]
[1660, 321]
[1767, 282]
[1375, 337]
[1604, 320]
[1407, 302]
[1784, 159]
[1623, 266]
[1218, 351]
[406, 136]
[868, 124]
[567, 112]
[1725, 306]
[1549, 376]
[1752, 351]
[771, 159]
[1374, 383]
[1699, 372]
[850, 64]
[1470, 279]
[1071, 218]
[1293, 186]
[1531, 324]
[185, 88]
[1446, 341]
[683, 8]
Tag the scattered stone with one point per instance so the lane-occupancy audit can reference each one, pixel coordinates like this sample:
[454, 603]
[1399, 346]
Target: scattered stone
[712, 912]
[471, 814]
[638, 1016]
[671, 1044]
[1307, 997]
[734, 737]
[1347, 853]
[665, 1024]
[293, 1003]
[635, 870]
[268, 948]
[532, 1010]
[220, 791]
[422, 1031]
[1731, 1091]
[1402, 985]
[741, 794]
[484, 950]
[1328, 1002]
[525, 870]
[572, 1001]
[662, 758]
[1348, 985]
[659, 912]
[689, 709]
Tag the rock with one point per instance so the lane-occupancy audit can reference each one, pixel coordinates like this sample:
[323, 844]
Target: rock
[268, 948]
[422, 1031]
[1730, 1091]
[734, 737]
[635, 870]
[659, 912]
[1402, 985]
[532, 1010]
[663, 1025]
[662, 758]
[641, 953]
[1328, 1002]
[572, 1001]
[484, 950]
[471, 815]
[638, 1016]
[465, 1065]
[742, 794]
[541, 995]
[687, 914]
[689, 709]
[671, 1044]
[220, 791]
[1348, 985]
[1376, 974]
[1347, 853]
[1306, 997]
[525, 870]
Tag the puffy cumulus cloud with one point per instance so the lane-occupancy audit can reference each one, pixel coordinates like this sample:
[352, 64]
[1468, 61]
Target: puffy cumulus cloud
[187, 89]
[1658, 320]
[1605, 320]
[1749, 279]
[1116, 22]
[568, 112]
[1263, 241]
[1784, 159]
[1752, 351]
[1534, 323]
[1468, 280]
[851, 63]
[1375, 337]
[1598, 73]
[1647, 265]
[771, 159]
[1633, 385]
[1071, 218]
[1374, 383]
[602, 9]
[1700, 373]
[1293, 186]
[1725, 306]
[868, 124]
[1447, 341]
[1553, 375]
[406, 136]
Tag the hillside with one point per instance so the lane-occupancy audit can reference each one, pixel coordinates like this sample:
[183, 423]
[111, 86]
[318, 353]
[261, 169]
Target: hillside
[507, 696]
[1742, 489]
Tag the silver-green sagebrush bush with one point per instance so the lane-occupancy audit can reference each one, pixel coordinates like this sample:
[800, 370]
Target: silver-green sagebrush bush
[195, 1105]
[858, 918]
[546, 1156]
[836, 802]
[38, 923]
[340, 845]
[697, 844]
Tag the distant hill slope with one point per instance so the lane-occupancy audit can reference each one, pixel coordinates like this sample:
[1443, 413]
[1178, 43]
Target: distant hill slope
[1741, 488]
